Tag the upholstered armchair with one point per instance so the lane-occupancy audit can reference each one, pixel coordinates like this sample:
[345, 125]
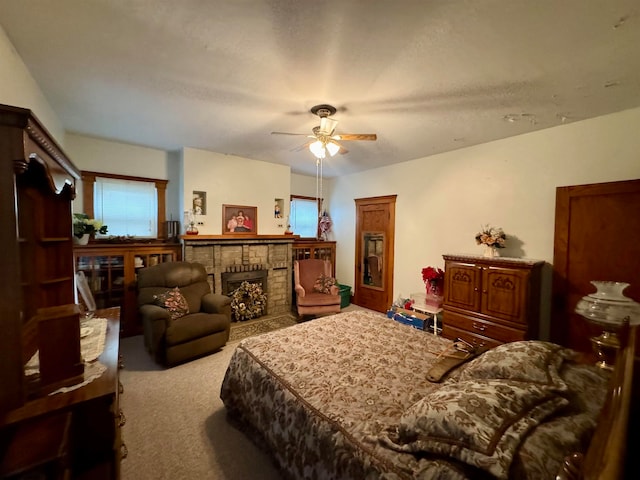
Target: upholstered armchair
[181, 318]
[316, 292]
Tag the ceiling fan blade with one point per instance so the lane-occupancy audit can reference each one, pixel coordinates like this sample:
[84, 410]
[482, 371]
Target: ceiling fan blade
[299, 148]
[287, 133]
[342, 150]
[356, 136]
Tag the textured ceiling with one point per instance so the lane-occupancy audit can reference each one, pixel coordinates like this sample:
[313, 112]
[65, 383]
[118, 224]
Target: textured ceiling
[425, 76]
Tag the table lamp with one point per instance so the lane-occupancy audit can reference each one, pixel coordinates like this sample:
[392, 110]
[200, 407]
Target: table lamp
[608, 308]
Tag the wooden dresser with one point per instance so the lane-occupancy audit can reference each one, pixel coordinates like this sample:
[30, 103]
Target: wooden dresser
[490, 301]
[86, 443]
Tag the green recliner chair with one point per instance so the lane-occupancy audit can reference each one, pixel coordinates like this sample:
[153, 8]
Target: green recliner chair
[182, 324]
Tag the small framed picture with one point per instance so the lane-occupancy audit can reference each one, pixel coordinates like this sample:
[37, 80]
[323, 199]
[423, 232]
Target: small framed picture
[239, 219]
[199, 203]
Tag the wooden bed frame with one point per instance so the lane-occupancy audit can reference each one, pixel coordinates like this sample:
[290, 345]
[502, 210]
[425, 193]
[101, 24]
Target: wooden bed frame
[608, 456]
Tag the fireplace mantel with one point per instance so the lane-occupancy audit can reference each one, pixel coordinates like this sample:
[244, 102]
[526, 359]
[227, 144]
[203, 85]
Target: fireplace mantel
[237, 238]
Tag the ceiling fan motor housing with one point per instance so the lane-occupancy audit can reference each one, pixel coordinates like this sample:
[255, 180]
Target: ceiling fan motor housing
[323, 110]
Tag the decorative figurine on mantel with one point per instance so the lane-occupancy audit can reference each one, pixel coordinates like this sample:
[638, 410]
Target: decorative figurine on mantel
[191, 221]
[288, 230]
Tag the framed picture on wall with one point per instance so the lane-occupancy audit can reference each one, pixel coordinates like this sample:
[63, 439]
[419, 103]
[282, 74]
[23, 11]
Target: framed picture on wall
[239, 219]
[199, 203]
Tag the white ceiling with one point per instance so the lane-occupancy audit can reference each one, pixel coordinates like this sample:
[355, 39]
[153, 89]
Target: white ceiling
[426, 76]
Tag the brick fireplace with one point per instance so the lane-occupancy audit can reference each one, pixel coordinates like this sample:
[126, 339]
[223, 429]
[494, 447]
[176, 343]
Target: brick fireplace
[230, 260]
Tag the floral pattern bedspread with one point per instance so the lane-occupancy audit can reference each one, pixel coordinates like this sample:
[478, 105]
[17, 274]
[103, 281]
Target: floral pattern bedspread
[322, 394]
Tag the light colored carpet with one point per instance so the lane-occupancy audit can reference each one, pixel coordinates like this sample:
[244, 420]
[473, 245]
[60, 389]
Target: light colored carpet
[176, 423]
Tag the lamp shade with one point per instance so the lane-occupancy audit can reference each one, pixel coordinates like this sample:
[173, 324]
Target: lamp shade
[608, 307]
[333, 148]
[317, 148]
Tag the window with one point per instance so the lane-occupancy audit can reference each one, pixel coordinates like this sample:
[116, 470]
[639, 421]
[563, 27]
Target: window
[303, 216]
[129, 206]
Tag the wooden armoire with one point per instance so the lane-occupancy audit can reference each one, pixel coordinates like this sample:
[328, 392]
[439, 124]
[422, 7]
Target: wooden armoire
[37, 306]
[489, 301]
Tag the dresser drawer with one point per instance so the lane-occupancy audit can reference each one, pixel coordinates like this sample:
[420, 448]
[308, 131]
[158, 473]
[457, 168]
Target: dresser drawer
[482, 327]
[475, 340]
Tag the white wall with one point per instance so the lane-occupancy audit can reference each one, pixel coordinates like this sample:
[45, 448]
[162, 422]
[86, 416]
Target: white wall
[104, 156]
[19, 89]
[303, 185]
[444, 199]
[226, 179]
[234, 180]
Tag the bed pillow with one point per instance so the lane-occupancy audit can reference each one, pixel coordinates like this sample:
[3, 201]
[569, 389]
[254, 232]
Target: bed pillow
[479, 422]
[174, 302]
[532, 361]
[323, 284]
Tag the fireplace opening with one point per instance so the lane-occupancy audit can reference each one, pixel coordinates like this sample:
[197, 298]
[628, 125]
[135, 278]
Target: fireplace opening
[232, 280]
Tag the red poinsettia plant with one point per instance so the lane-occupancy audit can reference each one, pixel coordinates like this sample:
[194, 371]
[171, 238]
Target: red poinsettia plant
[433, 278]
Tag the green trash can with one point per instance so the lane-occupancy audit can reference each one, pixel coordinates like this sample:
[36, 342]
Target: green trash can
[345, 295]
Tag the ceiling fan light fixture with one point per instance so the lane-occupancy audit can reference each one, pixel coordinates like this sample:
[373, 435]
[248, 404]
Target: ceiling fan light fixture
[333, 148]
[317, 148]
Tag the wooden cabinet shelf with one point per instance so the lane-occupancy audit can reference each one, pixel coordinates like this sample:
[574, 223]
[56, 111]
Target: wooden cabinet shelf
[56, 280]
[489, 301]
[110, 270]
[323, 250]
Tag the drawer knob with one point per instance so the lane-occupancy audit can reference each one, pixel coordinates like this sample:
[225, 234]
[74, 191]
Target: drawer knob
[480, 327]
[122, 419]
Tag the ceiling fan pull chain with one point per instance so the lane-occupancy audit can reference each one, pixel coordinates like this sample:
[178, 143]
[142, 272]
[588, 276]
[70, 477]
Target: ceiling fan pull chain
[321, 197]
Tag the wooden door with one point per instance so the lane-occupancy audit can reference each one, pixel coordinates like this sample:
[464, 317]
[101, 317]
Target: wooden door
[375, 234]
[597, 236]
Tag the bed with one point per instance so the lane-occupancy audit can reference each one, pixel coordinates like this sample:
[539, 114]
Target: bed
[347, 397]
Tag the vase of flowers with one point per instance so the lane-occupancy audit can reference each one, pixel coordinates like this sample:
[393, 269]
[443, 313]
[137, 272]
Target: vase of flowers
[433, 279]
[85, 227]
[492, 238]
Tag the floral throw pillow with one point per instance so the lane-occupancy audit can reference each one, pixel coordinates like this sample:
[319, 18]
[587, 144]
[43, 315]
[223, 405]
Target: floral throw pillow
[323, 284]
[479, 422]
[174, 302]
[532, 361]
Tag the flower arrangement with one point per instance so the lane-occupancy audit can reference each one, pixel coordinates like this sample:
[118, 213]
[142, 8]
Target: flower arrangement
[491, 236]
[83, 225]
[248, 301]
[433, 279]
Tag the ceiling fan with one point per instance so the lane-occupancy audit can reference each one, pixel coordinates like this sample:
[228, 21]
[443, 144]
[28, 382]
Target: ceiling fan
[324, 137]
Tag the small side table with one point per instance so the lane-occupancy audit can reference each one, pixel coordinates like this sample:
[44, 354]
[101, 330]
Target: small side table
[430, 310]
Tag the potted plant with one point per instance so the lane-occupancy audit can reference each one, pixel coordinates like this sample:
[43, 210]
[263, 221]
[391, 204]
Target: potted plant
[85, 227]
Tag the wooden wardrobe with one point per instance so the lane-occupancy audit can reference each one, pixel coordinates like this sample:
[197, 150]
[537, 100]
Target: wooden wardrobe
[597, 237]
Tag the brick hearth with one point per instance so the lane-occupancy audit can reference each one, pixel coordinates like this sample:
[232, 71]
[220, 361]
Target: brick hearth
[250, 255]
